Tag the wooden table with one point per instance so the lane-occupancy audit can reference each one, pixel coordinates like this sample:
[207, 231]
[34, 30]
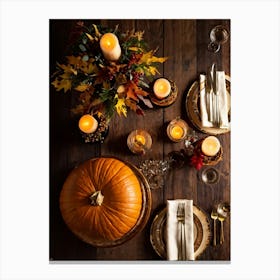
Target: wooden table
[185, 43]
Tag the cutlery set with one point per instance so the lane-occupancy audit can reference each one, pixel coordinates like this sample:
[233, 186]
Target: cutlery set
[212, 97]
[219, 212]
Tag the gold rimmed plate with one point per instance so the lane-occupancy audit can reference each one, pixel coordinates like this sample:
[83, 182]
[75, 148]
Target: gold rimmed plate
[202, 233]
[193, 109]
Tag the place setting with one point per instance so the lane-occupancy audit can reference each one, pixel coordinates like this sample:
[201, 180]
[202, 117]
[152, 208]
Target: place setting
[208, 102]
[180, 231]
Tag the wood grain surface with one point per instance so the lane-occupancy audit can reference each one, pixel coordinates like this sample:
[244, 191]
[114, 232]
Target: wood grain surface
[185, 43]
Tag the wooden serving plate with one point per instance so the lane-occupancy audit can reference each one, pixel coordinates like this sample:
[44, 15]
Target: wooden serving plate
[143, 217]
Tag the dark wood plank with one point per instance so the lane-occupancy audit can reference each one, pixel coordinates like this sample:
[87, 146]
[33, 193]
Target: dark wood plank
[181, 48]
[208, 195]
[66, 151]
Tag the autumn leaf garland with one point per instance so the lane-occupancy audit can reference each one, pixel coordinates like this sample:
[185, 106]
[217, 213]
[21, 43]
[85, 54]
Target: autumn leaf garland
[103, 85]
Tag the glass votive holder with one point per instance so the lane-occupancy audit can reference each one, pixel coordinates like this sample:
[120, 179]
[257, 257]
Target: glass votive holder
[177, 130]
[139, 141]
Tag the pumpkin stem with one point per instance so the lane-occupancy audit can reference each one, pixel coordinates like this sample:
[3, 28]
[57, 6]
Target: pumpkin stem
[96, 198]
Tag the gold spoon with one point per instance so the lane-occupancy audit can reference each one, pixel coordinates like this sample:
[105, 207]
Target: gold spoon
[214, 216]
[221, 217]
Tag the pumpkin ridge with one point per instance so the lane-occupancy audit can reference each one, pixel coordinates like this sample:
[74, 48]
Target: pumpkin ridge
[95, 222]
[121, 183]
[76, 220]
[114, 211]
[111, 168]
[107, 168]
[88, 184]
[127, 172]
[116, 194]
[120, 233]
[106, 231]
[122, 179]
[101, 162]
[93, 170]
[121, 205]
[126, 222]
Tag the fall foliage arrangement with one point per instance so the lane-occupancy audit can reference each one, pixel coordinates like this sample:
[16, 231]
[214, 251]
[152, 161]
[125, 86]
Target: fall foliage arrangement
[105, 85]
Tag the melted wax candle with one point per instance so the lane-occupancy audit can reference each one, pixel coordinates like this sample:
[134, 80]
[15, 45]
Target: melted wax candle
[110, 46]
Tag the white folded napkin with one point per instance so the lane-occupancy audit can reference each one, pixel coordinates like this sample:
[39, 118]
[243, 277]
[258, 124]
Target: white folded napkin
[205, 102]
[173, 229]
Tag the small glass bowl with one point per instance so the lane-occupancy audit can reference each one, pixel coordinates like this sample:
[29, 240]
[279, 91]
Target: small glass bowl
[139, 141]
[210, 176]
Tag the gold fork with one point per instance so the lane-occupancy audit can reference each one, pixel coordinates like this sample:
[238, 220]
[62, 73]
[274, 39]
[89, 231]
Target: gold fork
[214, 216]
[181, 223]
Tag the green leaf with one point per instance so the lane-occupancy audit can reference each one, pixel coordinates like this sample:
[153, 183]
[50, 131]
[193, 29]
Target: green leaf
[82, 48]
[85, 58]
[142, 83]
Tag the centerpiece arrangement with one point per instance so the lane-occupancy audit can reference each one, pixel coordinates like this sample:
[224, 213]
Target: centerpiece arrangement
[109, 71]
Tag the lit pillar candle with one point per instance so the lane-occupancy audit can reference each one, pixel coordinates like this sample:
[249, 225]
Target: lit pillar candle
[210, 146]
[88, 124]
[110, 46]
[162, 88]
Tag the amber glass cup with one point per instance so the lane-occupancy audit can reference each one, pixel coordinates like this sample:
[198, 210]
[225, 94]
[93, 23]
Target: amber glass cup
[139, 141]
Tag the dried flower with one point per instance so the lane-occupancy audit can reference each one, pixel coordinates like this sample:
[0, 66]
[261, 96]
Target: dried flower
[196, 160]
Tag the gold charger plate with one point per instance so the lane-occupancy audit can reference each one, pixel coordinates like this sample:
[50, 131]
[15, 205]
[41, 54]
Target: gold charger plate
[193, 109]
[202, 233]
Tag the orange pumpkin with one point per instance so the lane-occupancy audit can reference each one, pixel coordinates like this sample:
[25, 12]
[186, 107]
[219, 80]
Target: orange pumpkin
[101, 200]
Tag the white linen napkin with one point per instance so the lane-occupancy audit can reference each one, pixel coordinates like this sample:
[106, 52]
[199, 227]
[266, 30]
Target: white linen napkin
[205, 102]
[172, 229]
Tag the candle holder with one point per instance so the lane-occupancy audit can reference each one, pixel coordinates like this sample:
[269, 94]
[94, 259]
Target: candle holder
[139, 141]
[208, 160]
[101, 132]
[169, 99]
[177, 130]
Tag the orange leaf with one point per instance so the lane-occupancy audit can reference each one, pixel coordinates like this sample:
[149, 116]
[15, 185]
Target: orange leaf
[140, 91]
[131, 104]
[132, 90]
